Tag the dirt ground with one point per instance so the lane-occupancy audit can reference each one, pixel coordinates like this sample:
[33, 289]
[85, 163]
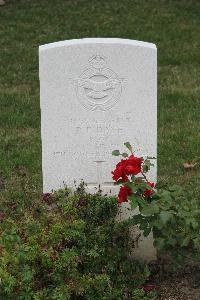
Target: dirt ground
[182, 285]
[178, 289]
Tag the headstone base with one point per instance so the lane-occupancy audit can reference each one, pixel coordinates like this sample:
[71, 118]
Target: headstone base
[142, 246]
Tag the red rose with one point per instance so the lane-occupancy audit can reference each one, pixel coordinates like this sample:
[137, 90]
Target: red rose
[130, 166]
[133, 165]
[120, 171]
[124, 192]
[147, 192]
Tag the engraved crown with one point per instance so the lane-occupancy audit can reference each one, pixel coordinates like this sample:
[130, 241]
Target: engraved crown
[97, 61]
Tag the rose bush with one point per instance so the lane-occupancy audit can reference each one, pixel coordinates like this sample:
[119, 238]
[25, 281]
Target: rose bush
[67, 246]
[171, 212]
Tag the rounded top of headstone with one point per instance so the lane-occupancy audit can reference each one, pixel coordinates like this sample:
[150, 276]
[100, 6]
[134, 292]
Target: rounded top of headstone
[96, 41]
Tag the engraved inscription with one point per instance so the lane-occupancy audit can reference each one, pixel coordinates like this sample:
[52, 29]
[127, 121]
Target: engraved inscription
[101, 128]
[94, 156]
[100, 135]
[98, 87]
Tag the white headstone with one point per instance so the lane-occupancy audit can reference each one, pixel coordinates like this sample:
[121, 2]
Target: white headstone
[96, 94]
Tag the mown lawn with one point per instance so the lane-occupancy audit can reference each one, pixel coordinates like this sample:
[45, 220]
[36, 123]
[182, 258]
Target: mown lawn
[172, 25]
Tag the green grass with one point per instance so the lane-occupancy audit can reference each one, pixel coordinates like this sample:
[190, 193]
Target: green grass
[172, 25]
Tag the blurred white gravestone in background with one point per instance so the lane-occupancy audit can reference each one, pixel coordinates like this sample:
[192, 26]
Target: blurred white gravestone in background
[95, 94]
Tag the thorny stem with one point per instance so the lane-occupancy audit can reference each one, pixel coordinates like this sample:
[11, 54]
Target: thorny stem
[145, 177]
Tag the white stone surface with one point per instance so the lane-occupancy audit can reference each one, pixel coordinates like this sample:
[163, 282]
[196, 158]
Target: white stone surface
[142, 246]
[2, 2]
[95, 95]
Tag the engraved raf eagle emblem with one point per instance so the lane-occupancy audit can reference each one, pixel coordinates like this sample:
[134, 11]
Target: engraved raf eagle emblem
[98, 90]
[98, 87]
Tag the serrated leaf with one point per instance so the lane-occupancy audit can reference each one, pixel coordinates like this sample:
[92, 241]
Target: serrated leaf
[147, 165]
[148, 162]
[128, 145]
[145, 168]
[115, 152]
[150, 209]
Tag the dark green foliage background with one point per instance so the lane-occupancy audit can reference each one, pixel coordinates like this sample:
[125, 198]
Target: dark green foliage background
[68, 246]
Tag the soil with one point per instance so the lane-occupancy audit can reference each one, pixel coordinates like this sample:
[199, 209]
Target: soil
[178, 289]
[182, 285]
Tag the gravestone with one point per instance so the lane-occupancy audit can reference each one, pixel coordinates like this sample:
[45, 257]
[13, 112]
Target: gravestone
[95, 95]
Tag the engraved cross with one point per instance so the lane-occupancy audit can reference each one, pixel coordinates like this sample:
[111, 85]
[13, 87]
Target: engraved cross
[99, 178]
[99, 172]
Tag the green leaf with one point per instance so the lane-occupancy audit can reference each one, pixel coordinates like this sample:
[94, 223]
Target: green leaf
[128, 145]
[150, 209]
[134, 205]
[147, 231]
[116, 153]
[166, 196]
[148, 162]
[147, 165]
[145, 168]
[124, 154]
[129, 184]
[142, 202]
[143, 184]
[165, 216]
[132, 186]
[120, 181]
[137, 219]
[134, 201]
[143, 225]
[132, 178]
[158, 224]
